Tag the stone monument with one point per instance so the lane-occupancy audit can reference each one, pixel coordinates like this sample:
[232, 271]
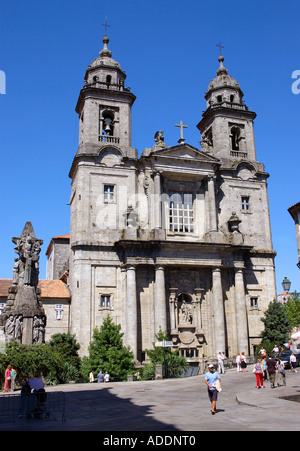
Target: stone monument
[23, 318]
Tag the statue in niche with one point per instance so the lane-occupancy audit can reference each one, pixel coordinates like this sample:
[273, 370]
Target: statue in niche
[185, 313]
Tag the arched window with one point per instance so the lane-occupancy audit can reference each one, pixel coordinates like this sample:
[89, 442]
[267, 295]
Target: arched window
[235, 138]
[185, 297]
[108, 122]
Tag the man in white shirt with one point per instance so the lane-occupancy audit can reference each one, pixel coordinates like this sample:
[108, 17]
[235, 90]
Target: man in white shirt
[293, 362]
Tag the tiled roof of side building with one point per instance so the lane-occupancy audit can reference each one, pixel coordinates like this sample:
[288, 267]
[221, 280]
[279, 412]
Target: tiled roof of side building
[53, 289]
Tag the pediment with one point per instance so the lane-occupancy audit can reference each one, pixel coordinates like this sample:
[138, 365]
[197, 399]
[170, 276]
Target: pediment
[184, 152]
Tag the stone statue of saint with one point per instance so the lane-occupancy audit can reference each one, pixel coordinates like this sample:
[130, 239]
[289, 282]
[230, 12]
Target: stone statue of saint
[39, 324]
[10, 328]
[186, 313]
[16, 271]
[18, 328]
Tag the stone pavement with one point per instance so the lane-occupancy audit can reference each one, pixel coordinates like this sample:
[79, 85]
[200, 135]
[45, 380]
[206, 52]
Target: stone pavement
[172, 406]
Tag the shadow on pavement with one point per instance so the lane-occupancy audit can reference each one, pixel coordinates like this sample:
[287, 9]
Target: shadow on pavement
[92, 410]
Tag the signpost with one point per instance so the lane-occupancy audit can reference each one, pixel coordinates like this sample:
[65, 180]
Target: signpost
[165, 344]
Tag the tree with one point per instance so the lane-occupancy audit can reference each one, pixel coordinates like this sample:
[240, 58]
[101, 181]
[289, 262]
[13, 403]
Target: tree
[174, 363]
[292, 309]
[67, 346]
[107, 352]
[276, 324]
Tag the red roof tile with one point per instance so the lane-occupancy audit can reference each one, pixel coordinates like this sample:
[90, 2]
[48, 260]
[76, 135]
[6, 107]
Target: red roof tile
[54, 289]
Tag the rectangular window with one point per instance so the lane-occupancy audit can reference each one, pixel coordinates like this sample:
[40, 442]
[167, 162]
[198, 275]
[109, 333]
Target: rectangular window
[58, 311]
[105, 301]
[245, 203]
[109, 193]
[181, 215]
[254, 302]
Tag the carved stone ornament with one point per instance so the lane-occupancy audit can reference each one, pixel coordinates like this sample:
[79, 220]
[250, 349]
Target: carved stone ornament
[23, 318]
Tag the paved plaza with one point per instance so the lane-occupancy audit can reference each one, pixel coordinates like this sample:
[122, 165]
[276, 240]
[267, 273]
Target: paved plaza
[172, 406]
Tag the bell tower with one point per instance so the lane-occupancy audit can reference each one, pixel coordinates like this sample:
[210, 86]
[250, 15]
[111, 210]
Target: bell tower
[227, 124]
[104, 104]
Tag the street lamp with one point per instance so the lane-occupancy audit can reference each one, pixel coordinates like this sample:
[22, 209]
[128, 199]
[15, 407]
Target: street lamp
[286, 284]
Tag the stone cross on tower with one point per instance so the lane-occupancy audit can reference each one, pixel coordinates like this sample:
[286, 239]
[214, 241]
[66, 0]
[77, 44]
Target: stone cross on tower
[181, 140]
[220, 47]
[106, 26]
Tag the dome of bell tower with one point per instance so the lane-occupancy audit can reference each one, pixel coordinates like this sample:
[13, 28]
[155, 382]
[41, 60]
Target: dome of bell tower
[105, 69]
[223, 88]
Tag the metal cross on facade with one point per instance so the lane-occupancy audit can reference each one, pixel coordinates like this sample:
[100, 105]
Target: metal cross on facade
[106, 26]
[181, 140]
[220, 47]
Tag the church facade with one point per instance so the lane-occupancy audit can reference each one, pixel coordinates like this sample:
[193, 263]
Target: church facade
[178, 238]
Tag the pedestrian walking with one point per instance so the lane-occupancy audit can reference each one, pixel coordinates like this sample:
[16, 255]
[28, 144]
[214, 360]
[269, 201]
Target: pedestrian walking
[271, 368]
[263, 353]
[293, 362]
[100, 377]
[238, 363]
[13, 375]
[281, 374]
[243, 362]
[211, 378]
[92, 378]
[7, 379]
[106, 377]
[264, 363]
[221, 358]
[259, 373]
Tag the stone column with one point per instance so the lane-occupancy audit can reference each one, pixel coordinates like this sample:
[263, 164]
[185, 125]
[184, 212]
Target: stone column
[212, 204]
[131, 310]
[173, 320]
[218, 311]
[241, 312]
[160, 299]
[199, 295]
[157, 201]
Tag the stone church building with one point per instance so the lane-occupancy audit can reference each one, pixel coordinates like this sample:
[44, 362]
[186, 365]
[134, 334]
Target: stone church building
[177, 238]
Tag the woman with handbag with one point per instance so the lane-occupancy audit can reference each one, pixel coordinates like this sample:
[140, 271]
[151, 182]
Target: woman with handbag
[7, 379]
[258, 370]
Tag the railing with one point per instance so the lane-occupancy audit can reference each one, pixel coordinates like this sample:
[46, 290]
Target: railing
[109, 139]
[237, 153]
[25, 406]
[224, 103]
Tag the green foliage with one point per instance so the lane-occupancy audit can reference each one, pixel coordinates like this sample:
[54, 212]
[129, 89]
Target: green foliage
[31, 361]
[276, 326]
[107, 353]
[147, 372]
[292, 309]
[56, 361]
[175, 364]
[67, 347]
[156, 355]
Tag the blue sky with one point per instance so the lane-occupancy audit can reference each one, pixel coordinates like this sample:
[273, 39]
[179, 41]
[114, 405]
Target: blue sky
[168, 50]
